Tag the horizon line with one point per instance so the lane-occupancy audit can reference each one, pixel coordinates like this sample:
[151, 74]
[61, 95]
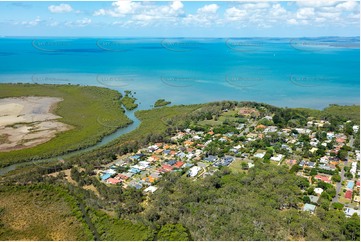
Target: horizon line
[194, 37]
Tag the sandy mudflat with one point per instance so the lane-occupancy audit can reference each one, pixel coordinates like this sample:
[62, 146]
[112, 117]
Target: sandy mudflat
[27, 121]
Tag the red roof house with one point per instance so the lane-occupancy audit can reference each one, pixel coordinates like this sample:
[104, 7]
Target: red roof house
[348, 194]
[323, 178]
[113, 181]
[178, 164]
[122, 177]
[167, 167]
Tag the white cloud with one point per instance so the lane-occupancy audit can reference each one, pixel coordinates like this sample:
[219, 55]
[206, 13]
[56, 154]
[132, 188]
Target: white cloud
[305, 13]
[329, 15]
[320, 20]
[142, 13]
[125, 7]
[205, 16]
[255, 5]
[177, 5]
[241, 14]
[62, 8]
[348, 6]
[278, 10]
[211, 8]
[100, 12]
[292, 21]
[53, 24]
[235, 14]
[120, 9]
[316, 4]
[79, 23]
[30, 23]
[261, 14]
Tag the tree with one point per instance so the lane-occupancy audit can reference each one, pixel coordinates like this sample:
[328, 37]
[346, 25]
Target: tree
[172, 232]
[306, 199]
[295, 168]
[324, 203]
[352, 228]
[342, 154]
[337, 205]
[313, 172]
[336, 178]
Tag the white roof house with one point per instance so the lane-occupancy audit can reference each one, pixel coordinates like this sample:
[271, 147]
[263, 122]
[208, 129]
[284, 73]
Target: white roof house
[151, 189]
[324, 160]
[350, 211]
[277, 158]
[194, 171]
[354, 168]
[318, 190]
[260, 155]
[355, 128]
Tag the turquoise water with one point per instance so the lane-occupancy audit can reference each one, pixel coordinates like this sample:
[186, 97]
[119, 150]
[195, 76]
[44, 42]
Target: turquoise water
[283, 72]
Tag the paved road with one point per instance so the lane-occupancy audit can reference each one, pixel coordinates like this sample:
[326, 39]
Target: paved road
[246, 130]
[339, 184]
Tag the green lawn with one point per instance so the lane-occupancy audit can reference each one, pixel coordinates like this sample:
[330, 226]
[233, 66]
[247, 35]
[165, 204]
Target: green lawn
[236, 166]
[343, 112]
[93, 112]
[229, 115]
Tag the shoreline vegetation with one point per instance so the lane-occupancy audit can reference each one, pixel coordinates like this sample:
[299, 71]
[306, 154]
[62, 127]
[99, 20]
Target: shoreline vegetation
[161, 103]
[94, 112]
[249, 203]
[129, 101]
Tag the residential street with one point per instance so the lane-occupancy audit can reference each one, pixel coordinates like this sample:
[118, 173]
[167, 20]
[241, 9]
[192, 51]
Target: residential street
[339, 184]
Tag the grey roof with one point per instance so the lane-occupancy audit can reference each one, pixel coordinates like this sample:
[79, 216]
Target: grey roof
[314, 199]
[309, 207]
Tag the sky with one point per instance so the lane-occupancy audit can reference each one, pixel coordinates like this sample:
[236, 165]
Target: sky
[181, 19]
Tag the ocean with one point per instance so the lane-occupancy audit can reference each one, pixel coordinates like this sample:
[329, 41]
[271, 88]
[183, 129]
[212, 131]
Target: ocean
[305, 72]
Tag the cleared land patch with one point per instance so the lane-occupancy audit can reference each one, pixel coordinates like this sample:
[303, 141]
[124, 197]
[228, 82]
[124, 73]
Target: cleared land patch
[26, 122]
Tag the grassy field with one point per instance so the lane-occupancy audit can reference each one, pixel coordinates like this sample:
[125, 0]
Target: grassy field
[343, 112]
[93, 111]
[39, 214]
[236, 166]
[229, 115]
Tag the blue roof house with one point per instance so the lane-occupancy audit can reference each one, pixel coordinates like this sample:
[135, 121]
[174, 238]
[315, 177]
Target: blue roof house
[105, 176]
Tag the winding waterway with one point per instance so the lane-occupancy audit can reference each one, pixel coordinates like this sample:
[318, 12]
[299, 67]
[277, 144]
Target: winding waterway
[105, 140]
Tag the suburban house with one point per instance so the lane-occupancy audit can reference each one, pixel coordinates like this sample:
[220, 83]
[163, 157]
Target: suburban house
[113, 181]
[350, 211]
[151, 189]
[323, 178]
[277, 158]
[194, 171]
[350, 185]
[309, 208]
[348, 194]
[318, 190]
[314, 199]
[105, 176]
